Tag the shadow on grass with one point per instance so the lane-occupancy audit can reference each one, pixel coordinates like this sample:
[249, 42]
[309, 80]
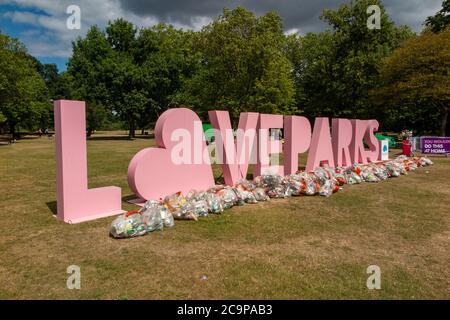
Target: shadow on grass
[129, 198]
[53, 207]
[120, 138]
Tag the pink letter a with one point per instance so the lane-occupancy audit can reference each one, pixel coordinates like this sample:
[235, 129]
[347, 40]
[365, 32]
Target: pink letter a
[321, 150]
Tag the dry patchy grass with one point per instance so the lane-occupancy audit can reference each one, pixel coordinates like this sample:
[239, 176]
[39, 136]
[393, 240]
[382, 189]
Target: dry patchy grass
[298, 248]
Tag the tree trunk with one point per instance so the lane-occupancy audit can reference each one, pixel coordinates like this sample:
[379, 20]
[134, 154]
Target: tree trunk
[12, 130]
[132, 133]
[444, 122]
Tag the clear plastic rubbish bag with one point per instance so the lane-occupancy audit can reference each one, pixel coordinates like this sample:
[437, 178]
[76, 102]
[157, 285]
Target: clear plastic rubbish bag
[154, 211]
[214, 203]
[228, 197]
[128, 225]
[179, 207]
[424, 161]
[309, 185]
[260, 194]
[368, 175]
[327, 188]
[269, 181]
[186, 212]
[352, 177]
[201, 208]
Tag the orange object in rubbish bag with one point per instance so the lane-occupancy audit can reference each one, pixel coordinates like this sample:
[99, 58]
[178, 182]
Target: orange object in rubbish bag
[130, 213]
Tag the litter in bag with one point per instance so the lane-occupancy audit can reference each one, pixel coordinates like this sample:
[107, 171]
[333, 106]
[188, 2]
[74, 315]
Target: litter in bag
[128, 225]
[155, 215]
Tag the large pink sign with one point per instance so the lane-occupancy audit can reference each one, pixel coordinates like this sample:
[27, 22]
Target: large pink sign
[152, 173]
[75, 202]
[182, 160]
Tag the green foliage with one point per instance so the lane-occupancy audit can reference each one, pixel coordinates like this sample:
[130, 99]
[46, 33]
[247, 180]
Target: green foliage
[242, 66]
[336, 69]
[441, 19]
[23, 92]
[239, 62]
[132, 74]
[85, 77]
[417, 77]
[166, 58]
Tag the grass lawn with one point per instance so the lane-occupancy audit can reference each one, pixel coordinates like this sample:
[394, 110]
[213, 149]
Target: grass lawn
[298, 248]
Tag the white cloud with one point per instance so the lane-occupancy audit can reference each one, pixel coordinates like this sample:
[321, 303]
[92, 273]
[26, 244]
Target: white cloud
[51, 38]
[54, 39]
[293, 31]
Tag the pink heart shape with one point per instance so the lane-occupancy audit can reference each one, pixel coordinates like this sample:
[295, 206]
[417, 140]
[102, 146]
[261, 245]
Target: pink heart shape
[152, 173]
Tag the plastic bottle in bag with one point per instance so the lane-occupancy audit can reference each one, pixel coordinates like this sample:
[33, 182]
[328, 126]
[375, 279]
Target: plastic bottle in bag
[175, 201]
[214, 203]
[166, 216]
[200, 208]
[156, 216]
[228, 197]
[152, 219]
[260, 194]
[186, 212]
[327, 188]
[368, 175]
[128, 225]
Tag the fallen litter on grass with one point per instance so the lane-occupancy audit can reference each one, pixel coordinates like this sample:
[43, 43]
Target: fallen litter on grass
[323, 181]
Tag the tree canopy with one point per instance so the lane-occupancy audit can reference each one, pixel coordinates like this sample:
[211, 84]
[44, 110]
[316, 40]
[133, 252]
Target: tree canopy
[132, 73]
[242, 65]
[241, 62]
[416, 77]
[441, 19]
[23, 92]
[336, 69]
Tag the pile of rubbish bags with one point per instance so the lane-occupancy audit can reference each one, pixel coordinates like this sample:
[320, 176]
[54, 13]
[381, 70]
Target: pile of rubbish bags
[323, 181]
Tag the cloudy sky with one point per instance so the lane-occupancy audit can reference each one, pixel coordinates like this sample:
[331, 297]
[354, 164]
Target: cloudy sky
[41, 24]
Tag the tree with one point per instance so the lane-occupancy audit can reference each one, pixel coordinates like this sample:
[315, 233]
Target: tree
[441, 19]
[242, 66]
[311, 56]
[56, 88]
[129, 73]
[85, 76]
[23, 93]
[165, 58]
[336, 69]
[417, 78]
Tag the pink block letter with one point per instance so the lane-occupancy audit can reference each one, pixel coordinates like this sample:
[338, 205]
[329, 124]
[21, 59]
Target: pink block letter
[77, 203]
[236, 156]
[341, 138]
[357, 151]
[268, 146]
[321, 150]
[154, 173]
[373, 154]
[297, 138]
